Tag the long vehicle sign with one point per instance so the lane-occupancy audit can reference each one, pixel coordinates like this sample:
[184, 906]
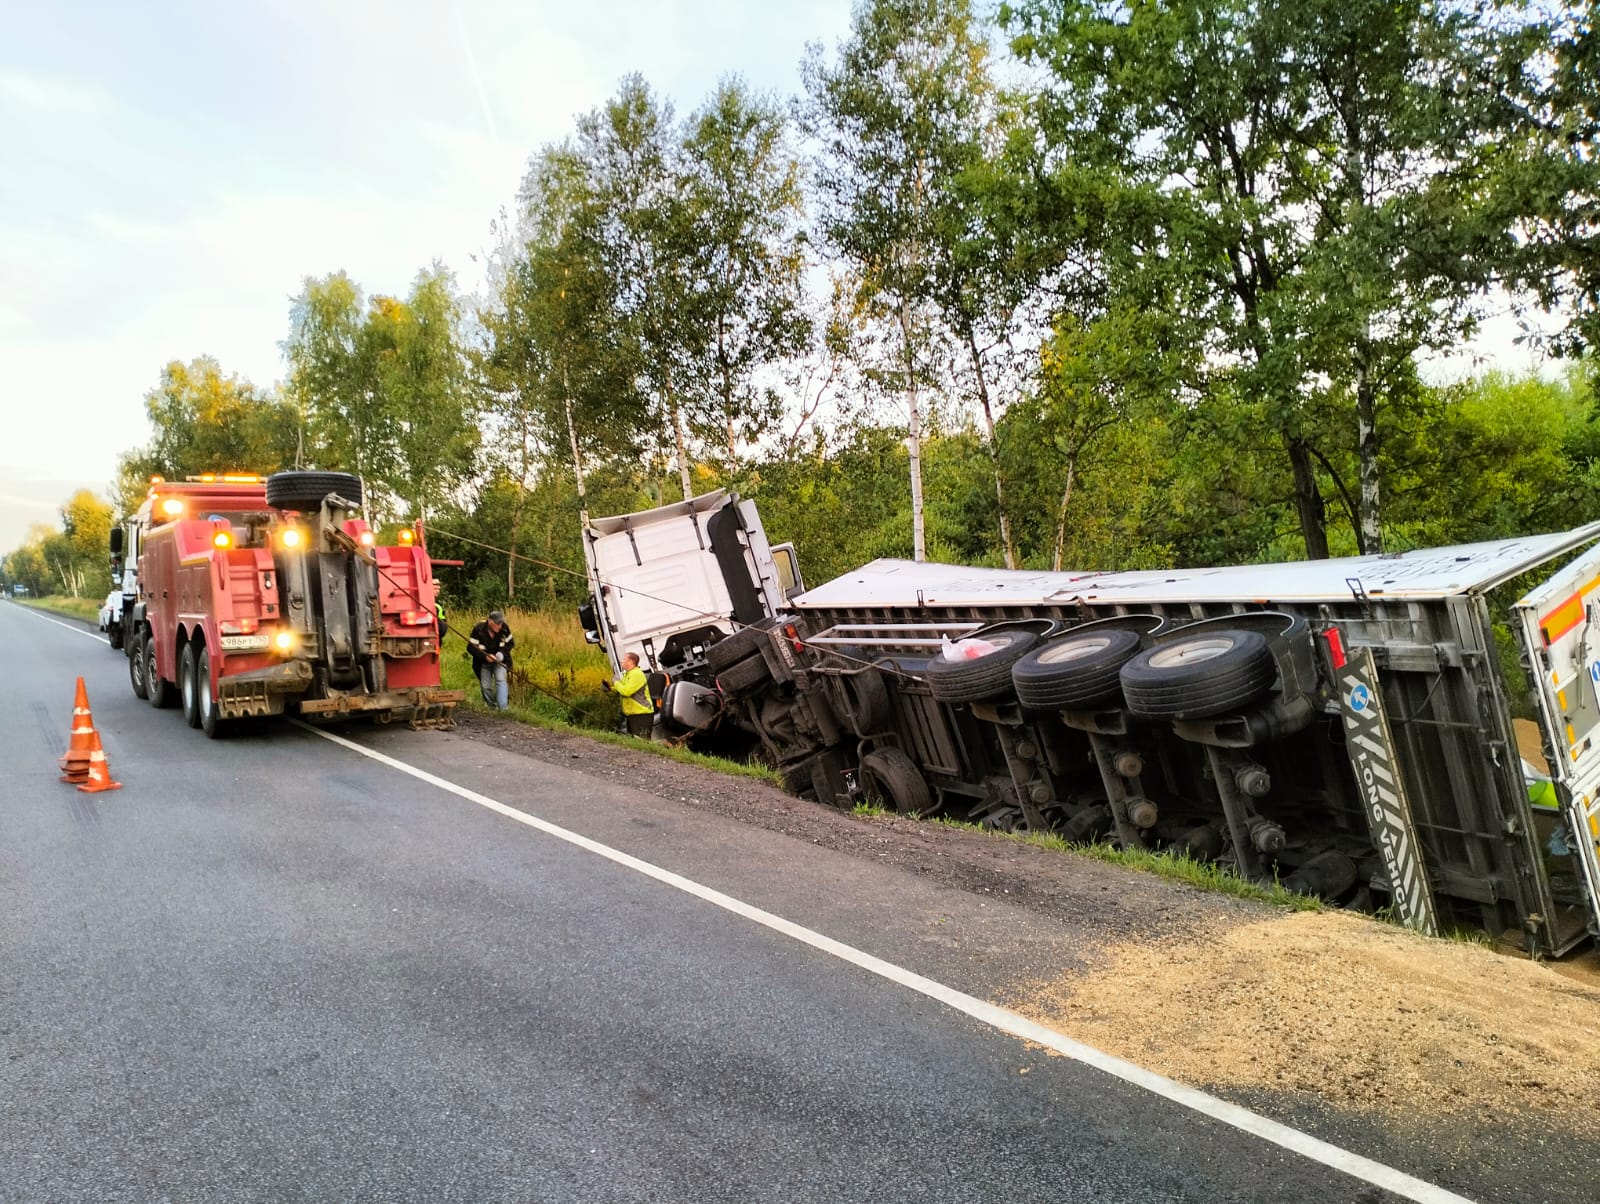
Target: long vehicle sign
[1370, 746]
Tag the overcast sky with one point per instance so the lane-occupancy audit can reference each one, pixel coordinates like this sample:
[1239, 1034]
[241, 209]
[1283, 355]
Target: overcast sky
[170, 171]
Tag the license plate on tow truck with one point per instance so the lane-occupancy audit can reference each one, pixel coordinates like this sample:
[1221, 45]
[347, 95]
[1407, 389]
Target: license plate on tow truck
[243, 643]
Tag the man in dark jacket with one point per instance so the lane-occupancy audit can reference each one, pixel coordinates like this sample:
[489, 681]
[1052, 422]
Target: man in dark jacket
[490, 644]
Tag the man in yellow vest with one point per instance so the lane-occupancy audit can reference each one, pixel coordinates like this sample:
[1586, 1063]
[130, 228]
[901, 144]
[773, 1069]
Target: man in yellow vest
[634, 689]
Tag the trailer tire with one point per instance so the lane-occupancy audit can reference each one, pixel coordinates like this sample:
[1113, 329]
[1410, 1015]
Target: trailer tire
[305, 490]
[744, 675]
[211, 721]
[1074, 672]
[114, 635]
[732, 649]
[161, 693]
[983, 677]
[188, 686]
[866, 700]
[891, 776]
[1198, 676]
[136, 666]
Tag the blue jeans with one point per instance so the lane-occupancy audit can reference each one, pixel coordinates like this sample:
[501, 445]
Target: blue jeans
[492, 681]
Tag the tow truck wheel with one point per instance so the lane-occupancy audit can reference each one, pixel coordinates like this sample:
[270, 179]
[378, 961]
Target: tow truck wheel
[211, 721]
[136, 666]
[187, 687]
[160, 693]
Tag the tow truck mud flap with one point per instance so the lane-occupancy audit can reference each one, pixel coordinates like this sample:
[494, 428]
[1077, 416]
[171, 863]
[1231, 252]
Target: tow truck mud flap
[1370, 746]
[1560, 630]
[258, 692]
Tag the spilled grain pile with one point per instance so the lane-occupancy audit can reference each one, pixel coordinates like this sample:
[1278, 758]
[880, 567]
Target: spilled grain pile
[1356, 1012]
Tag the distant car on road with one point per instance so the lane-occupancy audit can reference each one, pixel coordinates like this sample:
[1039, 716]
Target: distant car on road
[111, 616]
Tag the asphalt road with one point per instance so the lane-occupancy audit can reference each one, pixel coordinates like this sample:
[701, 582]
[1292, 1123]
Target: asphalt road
[270, 968]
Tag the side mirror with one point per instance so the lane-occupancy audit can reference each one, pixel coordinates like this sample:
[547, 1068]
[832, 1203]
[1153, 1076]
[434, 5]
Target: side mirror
[116, 541]
[591, 626]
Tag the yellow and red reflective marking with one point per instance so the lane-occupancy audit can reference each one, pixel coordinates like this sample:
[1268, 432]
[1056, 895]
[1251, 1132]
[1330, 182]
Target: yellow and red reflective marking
[1566, 616]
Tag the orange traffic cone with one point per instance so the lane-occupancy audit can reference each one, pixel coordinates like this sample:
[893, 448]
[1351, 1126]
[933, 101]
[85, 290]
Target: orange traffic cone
[75, 762]
[99, 770]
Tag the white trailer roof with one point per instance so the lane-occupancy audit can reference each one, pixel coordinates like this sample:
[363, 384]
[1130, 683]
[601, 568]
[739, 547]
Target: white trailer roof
[1421, 574]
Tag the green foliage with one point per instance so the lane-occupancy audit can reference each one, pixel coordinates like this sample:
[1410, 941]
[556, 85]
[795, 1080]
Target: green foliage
[382, 388]
[73, 562]
[205, 421]
[1152, 290]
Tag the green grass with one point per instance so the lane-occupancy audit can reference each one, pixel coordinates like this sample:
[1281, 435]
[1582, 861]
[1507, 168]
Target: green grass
[61, 604]
[555, 684]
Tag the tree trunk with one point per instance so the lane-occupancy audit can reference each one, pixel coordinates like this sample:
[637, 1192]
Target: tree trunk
[992, 445]
[1061, 517]
[1308, 501]
[577, 458]
[1370, 534]
[682, 438]
[919, 544]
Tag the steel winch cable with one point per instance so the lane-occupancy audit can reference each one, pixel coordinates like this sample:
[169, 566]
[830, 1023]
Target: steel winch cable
[861, 662]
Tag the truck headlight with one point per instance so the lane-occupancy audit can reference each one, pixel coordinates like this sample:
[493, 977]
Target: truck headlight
[284, 641]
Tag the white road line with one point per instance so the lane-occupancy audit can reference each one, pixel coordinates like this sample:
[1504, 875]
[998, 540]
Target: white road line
[1376, 1173]
[93, 635]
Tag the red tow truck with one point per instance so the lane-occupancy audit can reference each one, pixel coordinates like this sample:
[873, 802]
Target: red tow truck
[250, 597]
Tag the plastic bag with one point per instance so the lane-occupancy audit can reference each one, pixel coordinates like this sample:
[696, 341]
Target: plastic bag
[968, 649]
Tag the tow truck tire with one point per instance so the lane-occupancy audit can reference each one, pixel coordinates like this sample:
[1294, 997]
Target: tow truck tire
[211, 721]
[743, 675]
[188, 686]
[732, 649]
[982, 677]
[114, 634]
[136, 666]
[305, 490]
[162, 694]
[892, 777]
[1075, 672]
[1202, 675]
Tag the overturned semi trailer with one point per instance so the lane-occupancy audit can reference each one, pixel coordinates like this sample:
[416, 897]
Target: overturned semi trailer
[1344, 726]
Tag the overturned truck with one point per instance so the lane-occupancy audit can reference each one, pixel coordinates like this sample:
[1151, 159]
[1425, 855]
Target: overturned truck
[1342, 726]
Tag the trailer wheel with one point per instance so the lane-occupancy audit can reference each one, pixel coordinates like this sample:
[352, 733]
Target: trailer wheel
[161, 693]
[1202, 675]
[1074, 672]
[305, 490]
[136, 666]
[982, 677]
[188, 687]
[866, 697]
[114, 635]
[744, 675]
[891, 777]
[211, 721]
